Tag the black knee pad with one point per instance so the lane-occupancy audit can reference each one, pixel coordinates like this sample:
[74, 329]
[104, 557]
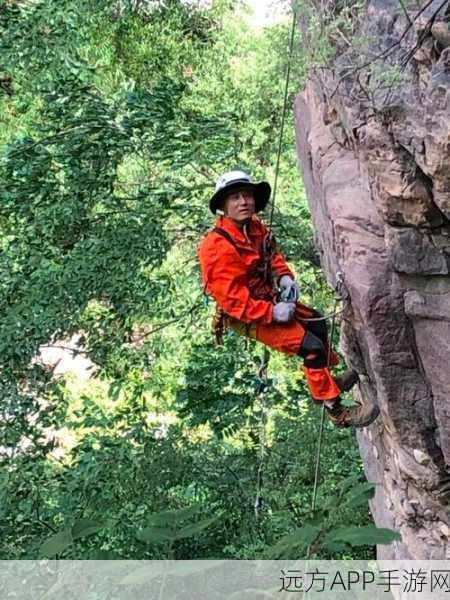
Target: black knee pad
[313, 345]
[318, 328]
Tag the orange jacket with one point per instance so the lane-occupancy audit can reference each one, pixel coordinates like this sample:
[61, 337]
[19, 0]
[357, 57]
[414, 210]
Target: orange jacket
[232, 277]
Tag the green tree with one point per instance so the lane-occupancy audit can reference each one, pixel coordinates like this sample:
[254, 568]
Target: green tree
[121, 117]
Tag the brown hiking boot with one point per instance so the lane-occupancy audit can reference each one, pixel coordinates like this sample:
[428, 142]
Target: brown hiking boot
[346, 380]
[360, 415]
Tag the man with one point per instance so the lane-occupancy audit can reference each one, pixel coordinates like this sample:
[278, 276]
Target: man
[240, 271]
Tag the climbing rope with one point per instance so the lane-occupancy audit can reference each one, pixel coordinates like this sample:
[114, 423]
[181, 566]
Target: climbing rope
[262, 374]
[338, 298]
[340, 288]
[283, 117]
[341, 295]
[259, 500]
[261, 394]
[319, 443]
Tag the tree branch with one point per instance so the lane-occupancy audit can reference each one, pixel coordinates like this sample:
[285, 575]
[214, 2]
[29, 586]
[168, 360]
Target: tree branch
[388, 50]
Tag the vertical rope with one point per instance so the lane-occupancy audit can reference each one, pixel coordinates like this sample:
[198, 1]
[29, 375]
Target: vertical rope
[259, 501]
[320, 440]
[283, 117]
[322, 419]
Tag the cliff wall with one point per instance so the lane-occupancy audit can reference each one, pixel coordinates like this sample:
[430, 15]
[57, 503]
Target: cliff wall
[373, 136]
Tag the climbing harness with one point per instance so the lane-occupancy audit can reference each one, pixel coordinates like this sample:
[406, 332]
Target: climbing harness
[220, 319]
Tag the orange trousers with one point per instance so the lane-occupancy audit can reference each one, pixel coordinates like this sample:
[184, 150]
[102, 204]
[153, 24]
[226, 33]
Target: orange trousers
[289, 339]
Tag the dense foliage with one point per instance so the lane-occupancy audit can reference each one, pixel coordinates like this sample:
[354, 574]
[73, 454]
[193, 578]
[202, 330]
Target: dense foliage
[117, 117]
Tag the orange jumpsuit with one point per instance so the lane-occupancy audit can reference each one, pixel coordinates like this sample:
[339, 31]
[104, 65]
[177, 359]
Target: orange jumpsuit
[232, 270]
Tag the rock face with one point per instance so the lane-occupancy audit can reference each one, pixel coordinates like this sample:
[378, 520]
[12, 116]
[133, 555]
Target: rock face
[375, 158]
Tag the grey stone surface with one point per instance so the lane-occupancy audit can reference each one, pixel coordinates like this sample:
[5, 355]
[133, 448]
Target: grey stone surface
[428, 306]
[376, 171]
[412, 251]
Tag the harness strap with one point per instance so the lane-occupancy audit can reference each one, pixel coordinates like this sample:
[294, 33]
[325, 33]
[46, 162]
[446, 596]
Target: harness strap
[228, 237]
[220, 318]
[265, 252]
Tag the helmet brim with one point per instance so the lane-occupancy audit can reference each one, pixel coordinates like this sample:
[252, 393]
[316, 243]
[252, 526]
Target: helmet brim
[261, 192]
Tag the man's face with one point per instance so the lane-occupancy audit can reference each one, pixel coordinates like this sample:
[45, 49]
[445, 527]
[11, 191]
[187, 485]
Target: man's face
[239, 205]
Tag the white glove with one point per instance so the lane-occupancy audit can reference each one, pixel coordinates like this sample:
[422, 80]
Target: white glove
[290, 290]
[283, 312]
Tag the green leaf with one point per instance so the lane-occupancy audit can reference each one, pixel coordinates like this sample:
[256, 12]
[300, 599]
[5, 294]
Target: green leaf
[335, 547]
[104, 555]
[317, 517]
[363, 536]
[195, 528]
[171, 517]
[85, 527]
[4, 479]
[360, 494]
[290, 546]
[57, 543]
[114, 390]
[156, 535]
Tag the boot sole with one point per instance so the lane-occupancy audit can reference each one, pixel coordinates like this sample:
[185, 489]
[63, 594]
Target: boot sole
[370, 418]
[345, 384]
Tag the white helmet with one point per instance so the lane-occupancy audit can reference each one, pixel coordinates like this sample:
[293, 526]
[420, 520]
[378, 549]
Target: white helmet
[236, 179]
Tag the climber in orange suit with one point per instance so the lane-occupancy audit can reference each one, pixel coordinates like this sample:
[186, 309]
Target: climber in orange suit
[240, 270]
